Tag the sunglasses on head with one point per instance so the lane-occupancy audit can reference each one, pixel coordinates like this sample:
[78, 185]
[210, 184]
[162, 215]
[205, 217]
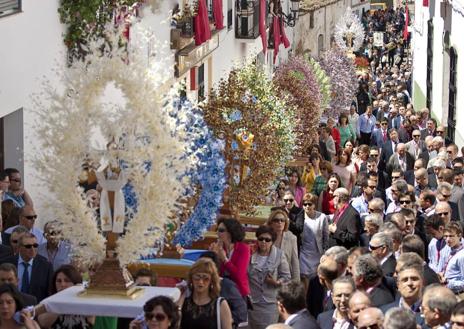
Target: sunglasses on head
[288, 200]
[263, 239]
[160, 317]
[31, 217]
[30, 246]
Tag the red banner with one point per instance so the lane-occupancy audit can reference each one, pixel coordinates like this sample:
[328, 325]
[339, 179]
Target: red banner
[201, 24]
[262, 24]
[217, 13]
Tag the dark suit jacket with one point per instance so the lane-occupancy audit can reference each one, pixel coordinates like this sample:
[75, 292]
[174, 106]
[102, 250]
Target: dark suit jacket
[29, 300]
[348, 229]
[403, 135]
[409, 177]
[455, 215]
[5, 251]
[433, 181]
[41, 276]
[325, 320]
[394, 162]
[429, 276]
[425, 155]
[387, 151]
[382, 294]
[316, 296]
[304, 320]
[388, 268]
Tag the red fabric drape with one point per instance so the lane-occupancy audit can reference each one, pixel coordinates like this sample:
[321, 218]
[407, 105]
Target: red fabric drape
[217, 13]
[277, 36]
[406, 23]
[201, 24]
[262, 24]
[284, 36]
[425, 3]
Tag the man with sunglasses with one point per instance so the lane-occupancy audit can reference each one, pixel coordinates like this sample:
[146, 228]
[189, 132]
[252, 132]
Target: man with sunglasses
[55, 249]
[415, 146]
[34, 271]
[370, 318]
[27, 219]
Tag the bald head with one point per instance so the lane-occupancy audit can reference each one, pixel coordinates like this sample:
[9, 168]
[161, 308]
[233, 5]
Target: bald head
[370, 317]
[358, 302]
[443, 209]
[401, 149]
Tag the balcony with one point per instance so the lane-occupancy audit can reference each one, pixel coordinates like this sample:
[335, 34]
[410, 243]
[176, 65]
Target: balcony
[247, 19]
[9, 7]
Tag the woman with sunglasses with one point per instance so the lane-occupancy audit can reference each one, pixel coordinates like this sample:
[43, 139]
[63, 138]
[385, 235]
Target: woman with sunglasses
[66, 276]
[325, 203]
[285, 240]
[233, 254]
[204, 309]
[160, 312]
[277, 196]
[267, 271]
[295, 215]
[315, 238]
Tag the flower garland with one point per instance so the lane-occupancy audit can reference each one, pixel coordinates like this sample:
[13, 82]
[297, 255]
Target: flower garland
[344, 83]
[349, 32]
[210, 175]
[296, 80]
[258, 129]
[323, 81]
[142, 131]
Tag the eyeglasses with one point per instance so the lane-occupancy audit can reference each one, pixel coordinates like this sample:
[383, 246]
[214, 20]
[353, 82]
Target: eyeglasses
[307, 204]
[375, 247]
[17, 180]
[442, 213]
[221, 230]
[263, 239]
[201, 277]
[440, 177]
[160, 317]
[384, 123]
[288, 200]
[30, 246]
[13, 241]
[449, 152]
[374, 154]
[374, 210]
[395, 177]
[405, 201]
[372, 186]
[31, 217]
[415, 135]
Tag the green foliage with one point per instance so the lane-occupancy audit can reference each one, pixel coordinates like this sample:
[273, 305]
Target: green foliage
[323, 81]
[85, 19]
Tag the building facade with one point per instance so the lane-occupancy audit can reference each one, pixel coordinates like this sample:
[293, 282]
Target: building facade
[438, 63]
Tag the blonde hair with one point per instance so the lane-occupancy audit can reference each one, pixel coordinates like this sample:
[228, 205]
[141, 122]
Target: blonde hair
[206, 265]
[278, 212]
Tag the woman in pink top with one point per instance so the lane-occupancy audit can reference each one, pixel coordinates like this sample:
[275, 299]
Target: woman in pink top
[296, 186]
[233, 254]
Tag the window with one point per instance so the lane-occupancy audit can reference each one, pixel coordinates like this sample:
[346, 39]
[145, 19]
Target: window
[429, 63]
[311, 19]
[201, 82]
[320, 45]
[452, 93]
[9, 7]
[230, 14]
[247, 19]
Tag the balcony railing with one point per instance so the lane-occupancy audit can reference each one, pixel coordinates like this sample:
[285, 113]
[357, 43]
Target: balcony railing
[247, 19]
[9, 7]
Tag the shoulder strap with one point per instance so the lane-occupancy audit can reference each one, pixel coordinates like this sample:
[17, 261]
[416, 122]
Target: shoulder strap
[218, 312]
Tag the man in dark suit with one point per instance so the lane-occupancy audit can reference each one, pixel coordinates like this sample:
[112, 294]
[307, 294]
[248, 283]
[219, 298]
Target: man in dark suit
[401, 159]
[343, 287]
[291, 301]
[368, 277]
[388, 149]
[5, 251]
[345, 228]
[8, 274]
[410, 282]
[319, 296]
[34, 271]
[381, 246]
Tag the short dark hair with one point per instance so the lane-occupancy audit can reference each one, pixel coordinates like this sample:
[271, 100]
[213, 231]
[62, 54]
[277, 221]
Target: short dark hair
[372, 159]
[434, 222]
[412, 243]
[168, 306]
[3, 175]
[459, 308]
[8, 267]
[234, 227]
[10, 289]
[146, 273]
[70, 271]
[292, 296]
[213, 256]
[265, 229]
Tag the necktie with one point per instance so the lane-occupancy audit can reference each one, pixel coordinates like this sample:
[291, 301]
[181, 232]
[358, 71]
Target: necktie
[25, 279]
[384, 136]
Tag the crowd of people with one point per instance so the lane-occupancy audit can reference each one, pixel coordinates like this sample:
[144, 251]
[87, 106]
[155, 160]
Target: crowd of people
[367, 235]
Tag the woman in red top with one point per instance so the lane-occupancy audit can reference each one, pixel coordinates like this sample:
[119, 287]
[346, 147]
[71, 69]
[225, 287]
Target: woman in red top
[233, 254]
[325, 202]
[335, 133]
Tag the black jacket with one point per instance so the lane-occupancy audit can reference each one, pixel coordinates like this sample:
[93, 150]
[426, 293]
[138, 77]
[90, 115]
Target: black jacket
[348, 229]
